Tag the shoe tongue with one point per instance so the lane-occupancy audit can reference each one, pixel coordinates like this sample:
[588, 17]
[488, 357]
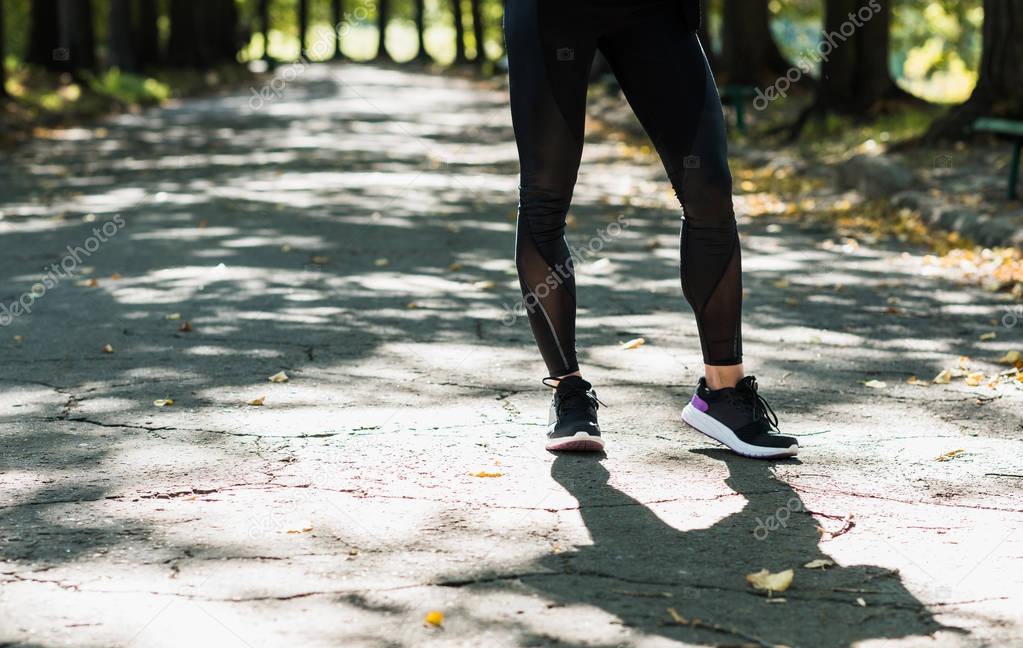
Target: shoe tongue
[745, 384]
[573, 383]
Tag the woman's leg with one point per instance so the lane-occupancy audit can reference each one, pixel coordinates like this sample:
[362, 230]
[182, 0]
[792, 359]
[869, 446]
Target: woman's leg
[548, 60]
[665, 76]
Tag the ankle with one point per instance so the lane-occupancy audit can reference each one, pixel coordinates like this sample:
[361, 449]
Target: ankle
[722, 376]
[554, 381]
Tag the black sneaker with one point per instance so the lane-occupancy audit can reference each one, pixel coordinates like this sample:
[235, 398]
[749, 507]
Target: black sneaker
[740, 418]
[573, 420]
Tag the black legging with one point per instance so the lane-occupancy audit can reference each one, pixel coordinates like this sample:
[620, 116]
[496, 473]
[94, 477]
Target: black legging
[663, 71]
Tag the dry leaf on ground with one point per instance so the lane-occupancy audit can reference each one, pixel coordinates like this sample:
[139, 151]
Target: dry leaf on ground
[765, 580]
[434, 618]
[257, 401]
[1010, 358]
[279, 377]
[943, 378]
[876, 384]
[950, 455]
[107, 348]
[484, 473]
[820, 563]
[975, 378]
[164, 402]
[634, 343]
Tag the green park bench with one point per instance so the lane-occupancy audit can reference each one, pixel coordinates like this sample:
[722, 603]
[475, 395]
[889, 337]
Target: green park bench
[1009, 129]
[738, 96]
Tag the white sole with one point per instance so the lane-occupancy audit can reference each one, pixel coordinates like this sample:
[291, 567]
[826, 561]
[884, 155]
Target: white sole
[710, 426]
[579, 442]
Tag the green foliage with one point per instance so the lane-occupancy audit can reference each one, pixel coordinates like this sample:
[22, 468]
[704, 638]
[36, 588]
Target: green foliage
[129, 89]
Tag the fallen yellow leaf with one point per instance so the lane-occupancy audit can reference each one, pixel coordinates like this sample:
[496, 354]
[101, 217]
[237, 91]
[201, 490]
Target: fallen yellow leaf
[819, 563]
[164, 402]
[304, 528]
[107, 348]
[950, 455]
[484, 473]
[876, 384]
[943, 378]
[434, 618]
[483, 285]
[1010, 358]
[257, 401]
[279, 377]
[975, 378]
[765, 580]
[988, 336]
[634, 343]
[173, 316]
[913, 380]
[677, 618]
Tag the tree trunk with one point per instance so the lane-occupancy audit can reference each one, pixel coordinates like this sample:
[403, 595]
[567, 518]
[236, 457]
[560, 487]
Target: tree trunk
[460, 56]
[339, 27]
[77, 45]
[421, 53]
[704, 33]
[43, 34]
[999, 89]
[855, 77]
[188, 45]
[303, 26]
[264, 27]
[3, 55]
[225, 37]
[383, 17]
[748, 51]
[121, 37]
[478, 33]
[148, 41]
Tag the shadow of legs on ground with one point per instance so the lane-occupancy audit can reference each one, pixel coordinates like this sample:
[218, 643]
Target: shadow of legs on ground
[638, 566]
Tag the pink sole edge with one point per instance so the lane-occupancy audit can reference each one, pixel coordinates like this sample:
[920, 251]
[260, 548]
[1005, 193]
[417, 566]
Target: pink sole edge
[582, 445]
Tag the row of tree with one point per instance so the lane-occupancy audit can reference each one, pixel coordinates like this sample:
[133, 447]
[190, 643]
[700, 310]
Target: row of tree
[854, 77]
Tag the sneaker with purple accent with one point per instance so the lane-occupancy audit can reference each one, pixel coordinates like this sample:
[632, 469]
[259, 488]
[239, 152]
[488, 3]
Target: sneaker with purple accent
[740, 418]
